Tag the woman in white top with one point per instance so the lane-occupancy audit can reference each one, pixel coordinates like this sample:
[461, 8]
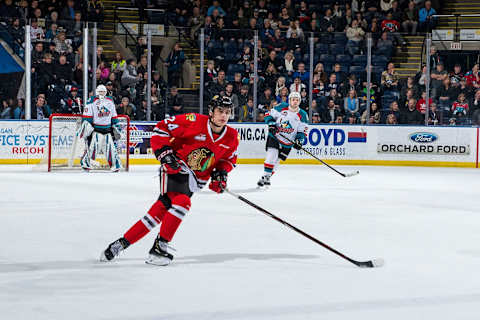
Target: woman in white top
[295, 27]
[289, 63]
[280, 85]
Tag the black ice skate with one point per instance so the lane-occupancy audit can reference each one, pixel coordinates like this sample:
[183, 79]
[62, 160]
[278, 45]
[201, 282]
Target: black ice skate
[264, 181]
[114, 249]
[159, 254]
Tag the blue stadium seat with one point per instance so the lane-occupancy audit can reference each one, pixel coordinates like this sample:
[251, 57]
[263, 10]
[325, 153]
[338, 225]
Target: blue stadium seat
[326, 38]
[327, 59]
[380, 61]
[233, 68]
[358, 71]
[340, 39]
[321, 48]
[344, 59]
[359, 60]
[336, 49]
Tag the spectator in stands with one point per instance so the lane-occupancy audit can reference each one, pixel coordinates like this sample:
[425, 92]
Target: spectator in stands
[385, 5]
[52, 18]
[411, 114]
[463, 88]
[422, 103]
[295, 28]
[435, 58]
[374, 115]
[390, 80]
[316, 117]
[229, 93]
[446, 95]
[104, 71]
[283, 96]
[130, 76]
[434, 116]
[6, 109]
[140, 47]
[68, 12]
[295, 44]
[438, 76]
[52, 49]
[284, 20]
[409, 85]
[384, 45]
[277, 43]
[393, 28]
[289, 63]
[341, 76]
[355, 36]
[174, 63]
[273, 59]
[113, 88]
[271, 76]
[45, 73]
[425, 19]
[216, 6]
[297, 85]
[195, 22]
[363, 94]
[460, 109]
[281, 83]
[126, 108]
[37, 54]
[95, 11]
[391, 119]
[473, 77]
[36, 32]
[266, 98]
[217, 87]
[18, 111]
[320, 71]
[142, 67]
[475, 102]
[16, 30]
[52, 32]
[174, 103]
[394, 109]
[62, 44]
[332, 83]
[331, 113]
[74, 102]
[118, 64]
[456, 75]
[63, 71]
[41, 109]
[410, 19]
[302, 73]
[350, 84]
[76, 31]
[351, 105]
[7, 9]
[328, 22]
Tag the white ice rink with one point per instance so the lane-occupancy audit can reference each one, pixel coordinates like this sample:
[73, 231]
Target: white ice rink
[233, 262]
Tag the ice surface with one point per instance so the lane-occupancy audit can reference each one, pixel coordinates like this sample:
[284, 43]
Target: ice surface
[233, 262]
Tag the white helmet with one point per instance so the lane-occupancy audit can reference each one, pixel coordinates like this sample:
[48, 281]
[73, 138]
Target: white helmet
[294, 94]
[101, 91]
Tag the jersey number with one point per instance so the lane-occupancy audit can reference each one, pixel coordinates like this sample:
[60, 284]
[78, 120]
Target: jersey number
[171, 126]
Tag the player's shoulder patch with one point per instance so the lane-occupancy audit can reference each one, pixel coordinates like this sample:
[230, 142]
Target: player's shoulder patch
[191, 117]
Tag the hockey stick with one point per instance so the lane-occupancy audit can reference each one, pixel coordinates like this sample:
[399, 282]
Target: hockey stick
[363, 264]
[345, 175]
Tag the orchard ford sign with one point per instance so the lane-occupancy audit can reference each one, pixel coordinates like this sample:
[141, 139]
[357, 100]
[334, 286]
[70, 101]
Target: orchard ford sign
[423, 143]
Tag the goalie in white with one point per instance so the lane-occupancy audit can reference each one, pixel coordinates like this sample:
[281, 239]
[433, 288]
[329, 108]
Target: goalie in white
[99, 127]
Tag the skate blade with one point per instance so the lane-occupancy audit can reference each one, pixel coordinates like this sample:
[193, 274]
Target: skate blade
[103, 258]
[162, 262]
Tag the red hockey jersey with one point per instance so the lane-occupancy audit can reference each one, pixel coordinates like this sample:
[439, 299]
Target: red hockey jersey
[191, 137]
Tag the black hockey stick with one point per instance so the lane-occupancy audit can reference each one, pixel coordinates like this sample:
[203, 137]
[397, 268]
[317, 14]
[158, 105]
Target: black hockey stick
[345, 175]
[363, 264]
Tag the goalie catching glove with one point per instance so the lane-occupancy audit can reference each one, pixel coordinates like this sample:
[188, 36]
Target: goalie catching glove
[169, 161]
[218, 183]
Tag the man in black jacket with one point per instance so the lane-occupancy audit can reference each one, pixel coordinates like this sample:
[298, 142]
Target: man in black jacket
[411, 114]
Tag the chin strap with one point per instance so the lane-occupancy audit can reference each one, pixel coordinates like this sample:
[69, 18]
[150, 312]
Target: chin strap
[216, 126]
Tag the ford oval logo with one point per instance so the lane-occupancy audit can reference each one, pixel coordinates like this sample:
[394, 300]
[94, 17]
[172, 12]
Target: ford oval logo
[423, 137]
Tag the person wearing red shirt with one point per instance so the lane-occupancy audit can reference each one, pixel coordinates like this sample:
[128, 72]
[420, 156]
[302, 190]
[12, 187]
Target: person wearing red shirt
[460, 108]
[191, 148]
[393, 26]
[473, 78]
[422, 103]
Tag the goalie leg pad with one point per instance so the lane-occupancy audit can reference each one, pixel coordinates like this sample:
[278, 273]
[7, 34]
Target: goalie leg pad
[111, 153]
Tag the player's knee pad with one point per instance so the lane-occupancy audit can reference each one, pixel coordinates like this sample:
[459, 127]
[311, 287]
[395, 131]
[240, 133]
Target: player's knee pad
[180, 205]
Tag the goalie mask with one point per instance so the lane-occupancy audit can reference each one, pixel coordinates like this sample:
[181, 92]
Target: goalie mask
[101, 92]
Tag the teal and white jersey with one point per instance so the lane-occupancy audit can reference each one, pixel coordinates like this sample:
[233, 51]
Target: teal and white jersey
[292, 125]
[100, 113]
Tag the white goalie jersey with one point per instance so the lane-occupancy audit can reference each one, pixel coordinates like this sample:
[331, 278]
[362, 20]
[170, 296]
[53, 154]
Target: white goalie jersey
[101, 113]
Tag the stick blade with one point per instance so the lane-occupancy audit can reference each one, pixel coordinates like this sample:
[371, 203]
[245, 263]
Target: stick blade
[375, 263]
[351, 174]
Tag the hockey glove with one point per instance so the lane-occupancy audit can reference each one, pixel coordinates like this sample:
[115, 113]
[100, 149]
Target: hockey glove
[272, 128]
[169, 161]
[297, 144]
[219, 181]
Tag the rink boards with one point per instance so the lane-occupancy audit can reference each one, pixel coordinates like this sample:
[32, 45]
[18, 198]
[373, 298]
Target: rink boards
[25, 142]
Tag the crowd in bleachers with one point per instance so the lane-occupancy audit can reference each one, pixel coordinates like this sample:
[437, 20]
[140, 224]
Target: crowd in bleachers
[339, 85]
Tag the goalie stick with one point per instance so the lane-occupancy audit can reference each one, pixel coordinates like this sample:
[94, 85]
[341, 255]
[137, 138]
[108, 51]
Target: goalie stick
[345, 175]
[362, 264]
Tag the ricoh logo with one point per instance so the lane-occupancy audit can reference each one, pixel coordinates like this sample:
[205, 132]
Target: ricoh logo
[423, 137]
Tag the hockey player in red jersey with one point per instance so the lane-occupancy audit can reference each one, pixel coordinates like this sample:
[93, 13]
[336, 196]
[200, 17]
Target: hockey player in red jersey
[191, 148]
